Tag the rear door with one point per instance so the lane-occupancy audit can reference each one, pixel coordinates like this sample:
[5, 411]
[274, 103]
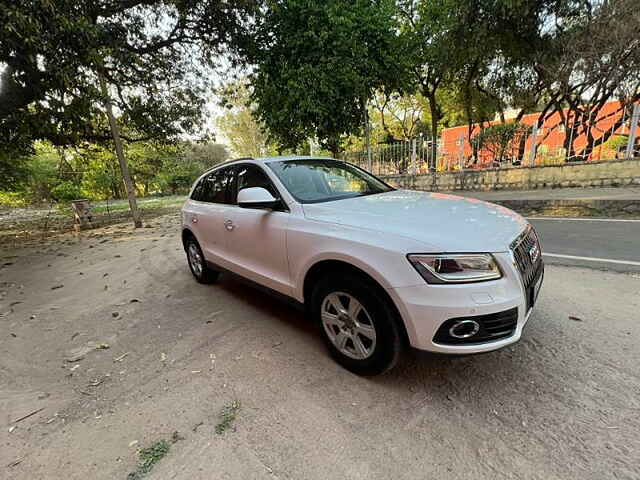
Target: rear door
[256, 238]
[208, 202]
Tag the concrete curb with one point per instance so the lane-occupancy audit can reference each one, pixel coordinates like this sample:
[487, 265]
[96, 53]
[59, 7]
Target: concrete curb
[575, 207]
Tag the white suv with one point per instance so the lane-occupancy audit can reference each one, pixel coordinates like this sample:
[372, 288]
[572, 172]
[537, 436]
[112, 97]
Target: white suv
[377, 268]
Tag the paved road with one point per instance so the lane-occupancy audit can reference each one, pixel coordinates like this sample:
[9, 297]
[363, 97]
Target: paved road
[609, 244]
[605, 193]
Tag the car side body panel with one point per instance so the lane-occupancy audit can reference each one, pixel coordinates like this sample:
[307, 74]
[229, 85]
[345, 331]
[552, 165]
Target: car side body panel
[377, 254]
[256, 246]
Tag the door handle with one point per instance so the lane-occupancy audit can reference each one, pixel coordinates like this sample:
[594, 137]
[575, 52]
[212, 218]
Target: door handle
[228, 224]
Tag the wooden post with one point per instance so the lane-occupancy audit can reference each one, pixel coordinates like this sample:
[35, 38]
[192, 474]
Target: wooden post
[534, 145]
[117, 141]
[633, 131]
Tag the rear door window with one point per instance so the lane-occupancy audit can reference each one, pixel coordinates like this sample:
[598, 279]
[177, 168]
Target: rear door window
[197, 191]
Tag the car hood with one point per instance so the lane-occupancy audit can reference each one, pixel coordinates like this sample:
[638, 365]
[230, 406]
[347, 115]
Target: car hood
[444, 223]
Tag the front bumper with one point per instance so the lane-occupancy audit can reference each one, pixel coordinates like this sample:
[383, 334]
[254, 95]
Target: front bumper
[424, 308]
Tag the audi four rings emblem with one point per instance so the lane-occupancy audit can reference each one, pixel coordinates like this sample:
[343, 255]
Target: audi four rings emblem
[534, 253]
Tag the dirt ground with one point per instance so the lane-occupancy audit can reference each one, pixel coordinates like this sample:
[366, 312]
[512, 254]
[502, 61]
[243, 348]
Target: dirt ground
[114, 346]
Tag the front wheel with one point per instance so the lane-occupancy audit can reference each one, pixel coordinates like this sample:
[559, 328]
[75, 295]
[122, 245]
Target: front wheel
[359, 327]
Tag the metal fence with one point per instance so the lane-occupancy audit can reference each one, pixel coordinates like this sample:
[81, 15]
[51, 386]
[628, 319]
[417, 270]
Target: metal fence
[405, 157]
[612, 136]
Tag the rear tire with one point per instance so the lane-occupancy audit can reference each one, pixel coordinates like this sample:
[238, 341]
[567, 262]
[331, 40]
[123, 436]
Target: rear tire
[197, 263]
[358, 325]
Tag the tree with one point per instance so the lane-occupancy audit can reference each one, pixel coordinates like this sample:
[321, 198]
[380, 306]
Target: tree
[500, 141]
[52, 52]
[64, 63]
[599, 61]
[399, 116]
[317, 64]
[581, 55]
[453, 45]
[245, 133]
[206, 154]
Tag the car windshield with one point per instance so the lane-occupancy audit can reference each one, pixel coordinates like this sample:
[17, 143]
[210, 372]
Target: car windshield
[323, 180]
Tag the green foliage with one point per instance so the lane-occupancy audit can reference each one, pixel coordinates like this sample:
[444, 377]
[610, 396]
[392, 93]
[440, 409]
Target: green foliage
[246, 135]
[13, 169]
[65, 191]
[206, 154]
[617, 143]
[52, 53]
[316, 64]
[315, 68]
[12, 199]
[42, 172]
[179, 168]
[148, 457]
[501, 140]
[91, 171]
[227, 417]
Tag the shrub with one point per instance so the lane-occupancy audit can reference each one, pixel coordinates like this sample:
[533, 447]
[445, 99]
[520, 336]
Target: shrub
[66, 191]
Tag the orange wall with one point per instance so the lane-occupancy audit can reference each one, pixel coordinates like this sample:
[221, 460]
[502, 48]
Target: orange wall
[551, 135]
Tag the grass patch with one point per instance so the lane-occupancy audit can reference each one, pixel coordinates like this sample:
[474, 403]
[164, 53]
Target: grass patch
[227, 417]
[143, 203]
[148, 457]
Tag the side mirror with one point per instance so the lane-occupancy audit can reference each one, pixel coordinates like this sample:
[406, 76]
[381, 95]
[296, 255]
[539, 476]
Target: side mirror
[256, 197]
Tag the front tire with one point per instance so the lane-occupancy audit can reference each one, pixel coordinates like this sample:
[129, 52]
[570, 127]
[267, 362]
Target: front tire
[197, 263]
[358, 326]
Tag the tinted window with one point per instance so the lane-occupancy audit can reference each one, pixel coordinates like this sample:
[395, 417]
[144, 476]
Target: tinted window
[253, 176]
[197, 192]
[321, 180]
[217, 187]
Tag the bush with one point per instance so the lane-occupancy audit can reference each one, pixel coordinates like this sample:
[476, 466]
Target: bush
[66, 191]
[12, 199]
[501, 141]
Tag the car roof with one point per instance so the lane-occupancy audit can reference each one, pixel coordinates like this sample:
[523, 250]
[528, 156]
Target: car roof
[282, 158]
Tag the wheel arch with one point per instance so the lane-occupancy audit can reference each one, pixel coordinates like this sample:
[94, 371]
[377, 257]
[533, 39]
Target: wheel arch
[186, 235]
[333, 266]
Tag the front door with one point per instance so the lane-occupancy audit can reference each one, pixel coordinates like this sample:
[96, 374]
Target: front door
[256, 238]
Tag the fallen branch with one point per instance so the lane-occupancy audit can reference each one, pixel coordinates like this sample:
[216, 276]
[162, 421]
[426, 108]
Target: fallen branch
[28, 415]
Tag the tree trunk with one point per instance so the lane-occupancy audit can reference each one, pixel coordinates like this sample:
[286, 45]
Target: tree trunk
[435, 120]
[367, 134]
[117, 141]
[334, 147]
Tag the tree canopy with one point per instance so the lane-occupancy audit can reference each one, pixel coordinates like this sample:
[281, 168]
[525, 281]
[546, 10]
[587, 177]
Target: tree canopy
[312, 72]
[152, 54]
[317, 63]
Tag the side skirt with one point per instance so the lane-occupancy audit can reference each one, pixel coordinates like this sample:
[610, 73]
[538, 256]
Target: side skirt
[269, 291]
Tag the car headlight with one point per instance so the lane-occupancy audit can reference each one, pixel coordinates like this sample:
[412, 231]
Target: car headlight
[456, 268]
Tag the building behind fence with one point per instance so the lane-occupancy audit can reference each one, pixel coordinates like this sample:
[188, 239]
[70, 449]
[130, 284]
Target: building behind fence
[561, 137]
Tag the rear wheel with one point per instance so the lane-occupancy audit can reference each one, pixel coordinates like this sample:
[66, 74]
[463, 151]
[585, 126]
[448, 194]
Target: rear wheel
[197, 263]
[359, 327]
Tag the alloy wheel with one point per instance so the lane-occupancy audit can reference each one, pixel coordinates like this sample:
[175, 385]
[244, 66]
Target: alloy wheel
[348, 325]
[195, 259]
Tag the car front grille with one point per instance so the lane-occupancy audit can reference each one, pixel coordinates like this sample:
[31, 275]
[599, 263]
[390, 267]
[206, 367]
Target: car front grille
[490, 328]
[528, 256]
